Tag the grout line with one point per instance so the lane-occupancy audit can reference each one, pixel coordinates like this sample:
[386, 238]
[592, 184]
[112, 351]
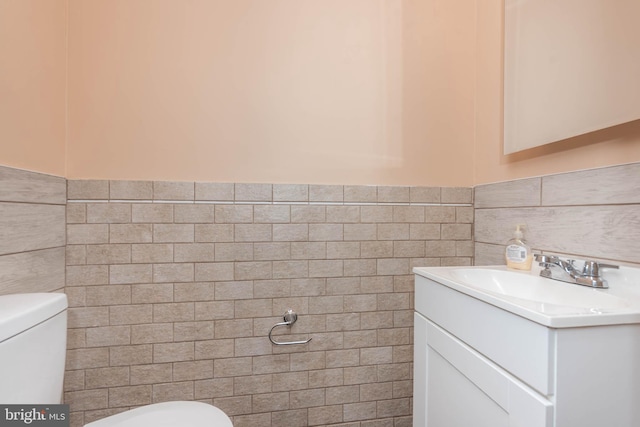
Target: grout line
[228, 202]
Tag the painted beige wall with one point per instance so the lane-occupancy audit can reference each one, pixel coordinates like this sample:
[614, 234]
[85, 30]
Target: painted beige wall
[348, 92]
[615, 145]
[33, 84]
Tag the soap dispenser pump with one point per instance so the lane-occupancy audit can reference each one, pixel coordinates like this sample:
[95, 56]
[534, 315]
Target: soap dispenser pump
[518, 254]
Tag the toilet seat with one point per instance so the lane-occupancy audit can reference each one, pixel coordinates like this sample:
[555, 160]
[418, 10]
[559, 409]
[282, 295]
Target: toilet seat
[168, 414]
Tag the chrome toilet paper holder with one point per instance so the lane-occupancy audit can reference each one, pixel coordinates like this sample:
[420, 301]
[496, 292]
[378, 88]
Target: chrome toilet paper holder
[289, 318]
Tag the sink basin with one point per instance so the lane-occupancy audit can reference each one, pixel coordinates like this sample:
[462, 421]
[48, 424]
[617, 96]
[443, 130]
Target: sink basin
[546, 301]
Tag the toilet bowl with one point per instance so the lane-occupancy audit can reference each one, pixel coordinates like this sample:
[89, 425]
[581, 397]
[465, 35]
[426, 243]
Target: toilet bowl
[168, 414]
[33, 331]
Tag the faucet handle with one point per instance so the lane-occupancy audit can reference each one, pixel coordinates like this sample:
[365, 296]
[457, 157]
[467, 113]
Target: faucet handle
[592, 268]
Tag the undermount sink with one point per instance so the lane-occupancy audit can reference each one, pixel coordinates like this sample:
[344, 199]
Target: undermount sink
[549, 302]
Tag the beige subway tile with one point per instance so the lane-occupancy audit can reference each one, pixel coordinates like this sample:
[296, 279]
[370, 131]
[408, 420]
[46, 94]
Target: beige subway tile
[325, 232]
[360, 193]
[174, 312]
[151, 374]
[105, 336]
[171, 190]
[326, 341]
[253, 192]
[151, 293]
[173, 352]
[396, 336]
[256, 270]
[307, 398]
[87, 234]
[74, 380]
[403, 318]
[214, 349]
[455, 261]
[253, 308]
[151, 253]
[308, 361]
[359, 411]
[212, 388]
[408, 213]
[439, 214]
[270, 214]
[76, 338]
[131, 355]
[343, 394]
[456, 231]
[152, 333]
[359, 303]
[173, 233]
[213, 271]
[254, 384]
[360, 232]
[376, 391]
[108, 254]
[393, 266]
[235, 328]
[271, 288]
[394, 231]
[235, 367]
[325, 415]
[359, 339]
[424, 262]
[272, 251]
[196, 291]
[293, 417]
[376, 355]
[130, 314]
[76, 213]
[194, 370]
[252, 346]
[87, 189]
[270, 402]
[393, 408]
[271, 364]
[108, 295]
[402, 353]
[83, 400]
[108, 213]
[129, 274]
[343, 358]
[326, 268]
[308, 287]
[214, 233]
[408, 249]
[252, 233]
[393, 194]
[308, 214]
[360, 375]
[290, 192]
[326, 193]
[326, 378]
[130, 233]
[234, 290]
[287, 381]
[233, 406]
[193, 252]
[86, 358]
[376, 214]
[376, 249]
[210, 191]
[343, 214]
[152, 213]
[290, 269]
[107, 377]
[83, 317]
[130, 396]
[359, 267]
[131, 190]
[326, 305]
[424, 194]
[377, 284]
[308, 250]
[290, 232]
[440, 248]
[402, 389]
[456, 195]
[194, 213]
[193, 331]
[175, 272]
[464, 248]
[376, 320]
[343, 322]
[423, 232]
[234, 214]
[343, 250]
[464, 214]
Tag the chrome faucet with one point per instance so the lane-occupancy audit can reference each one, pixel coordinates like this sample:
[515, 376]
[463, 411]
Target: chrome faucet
[566, 271]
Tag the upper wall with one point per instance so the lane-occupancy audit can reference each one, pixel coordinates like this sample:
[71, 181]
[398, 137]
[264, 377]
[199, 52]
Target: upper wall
[344, 92]
[33, 84]
[615, 145]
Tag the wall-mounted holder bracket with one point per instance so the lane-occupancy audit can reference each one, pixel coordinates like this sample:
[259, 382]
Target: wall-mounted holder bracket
[289, 318]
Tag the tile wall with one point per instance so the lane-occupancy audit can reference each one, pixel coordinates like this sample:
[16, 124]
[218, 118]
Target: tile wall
[32, 231]
[174, 287]
[591, 214]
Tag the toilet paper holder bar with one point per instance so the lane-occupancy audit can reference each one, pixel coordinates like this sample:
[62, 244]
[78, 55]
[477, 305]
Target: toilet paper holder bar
[289, 318]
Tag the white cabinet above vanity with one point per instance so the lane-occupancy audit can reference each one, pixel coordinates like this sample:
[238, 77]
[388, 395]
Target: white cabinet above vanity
[495, 347]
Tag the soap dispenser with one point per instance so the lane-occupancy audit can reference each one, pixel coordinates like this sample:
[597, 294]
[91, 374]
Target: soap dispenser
[518, 254]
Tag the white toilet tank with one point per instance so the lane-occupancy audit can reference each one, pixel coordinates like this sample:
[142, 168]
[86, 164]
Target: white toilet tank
[33, 340]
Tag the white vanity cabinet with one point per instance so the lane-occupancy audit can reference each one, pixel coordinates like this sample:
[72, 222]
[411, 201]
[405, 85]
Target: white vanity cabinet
[478, 365]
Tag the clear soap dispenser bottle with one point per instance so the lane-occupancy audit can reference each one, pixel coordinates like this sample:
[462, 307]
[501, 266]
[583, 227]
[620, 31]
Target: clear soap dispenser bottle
[518, 254]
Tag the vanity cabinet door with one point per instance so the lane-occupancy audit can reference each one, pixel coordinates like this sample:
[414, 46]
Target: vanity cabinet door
[455, 386]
